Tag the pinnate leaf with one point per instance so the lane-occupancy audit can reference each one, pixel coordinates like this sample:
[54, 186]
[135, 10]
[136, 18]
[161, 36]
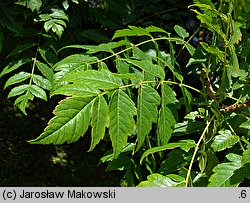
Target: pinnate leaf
[71, 121]
[122, 109]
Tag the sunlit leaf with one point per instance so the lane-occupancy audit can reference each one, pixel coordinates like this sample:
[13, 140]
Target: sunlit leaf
[224, 171]
[13, 65]
[158, 180]
[224, 140]
[71, 121]
[102, 79]
[17, 78]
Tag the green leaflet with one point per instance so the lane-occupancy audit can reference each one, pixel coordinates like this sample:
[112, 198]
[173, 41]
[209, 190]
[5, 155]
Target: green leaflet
[17, 78]
[167, 112]
[224, 171]
[54, 21]
[246, 156]
[245, 125]
[176, 159]
[30, 91]
[185, 145]
[158, 180]
[170, 64]
[121, 112]
[100, 120]
[187, 97]
[45, 70]
[71, 63]
[235, 34]
[137, 31]
[20, 48]
[15, 64]
[77, 90]
[41, 82]
[102, 79]
[37, 92]
[148, 101]
[71, 121]
[213, 50]
[181, 31]
[105, 47]
[48, 56]
[224, 140]
[149, 67]
[17, 90]
[22, 101]
[109, 156]
[74, 61]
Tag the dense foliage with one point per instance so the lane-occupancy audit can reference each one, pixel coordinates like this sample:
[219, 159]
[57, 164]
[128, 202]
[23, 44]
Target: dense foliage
[171, 98]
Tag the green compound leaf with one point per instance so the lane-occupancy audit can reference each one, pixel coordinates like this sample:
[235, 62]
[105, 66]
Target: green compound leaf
[185, 145]
[100, 120]
[122, 109]
[71, 121]
[224, 171]
[224, 140]
[158, 180]
[148, 101]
